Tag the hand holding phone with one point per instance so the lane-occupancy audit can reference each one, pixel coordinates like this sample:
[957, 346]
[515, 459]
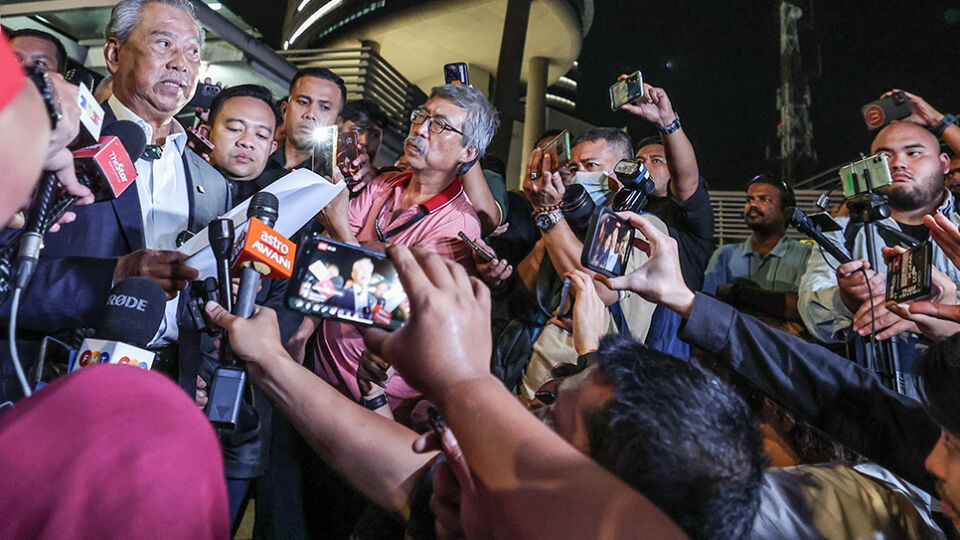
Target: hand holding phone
[608, 248]
[883, 111]
[559, 150]
[348, 150]
[484, 254]
[626, 90]
[909, 273]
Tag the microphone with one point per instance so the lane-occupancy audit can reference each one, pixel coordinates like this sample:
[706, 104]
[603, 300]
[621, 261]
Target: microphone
[802, 222]
[221, 235]
[91, 113]
[132, 316]
[264, 252]
[105, 167]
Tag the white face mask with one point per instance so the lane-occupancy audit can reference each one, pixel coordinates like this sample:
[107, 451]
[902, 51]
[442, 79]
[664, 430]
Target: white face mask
[595, 183]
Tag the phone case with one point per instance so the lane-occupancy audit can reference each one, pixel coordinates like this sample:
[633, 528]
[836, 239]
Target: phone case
[605, 259]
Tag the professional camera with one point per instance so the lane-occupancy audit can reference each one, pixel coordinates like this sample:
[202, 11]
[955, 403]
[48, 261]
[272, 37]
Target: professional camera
[578, 207]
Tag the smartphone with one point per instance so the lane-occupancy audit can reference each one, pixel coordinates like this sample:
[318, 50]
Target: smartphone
[324, 150]
[883, 111]
[564, 297]
[868, 174]
[482, 253]
[456, 73]
[203, 96]
[559, 150]
[342, 282]
[626, 91]
[908, 275]
[348, 149]
[201, 144]
[608, 248]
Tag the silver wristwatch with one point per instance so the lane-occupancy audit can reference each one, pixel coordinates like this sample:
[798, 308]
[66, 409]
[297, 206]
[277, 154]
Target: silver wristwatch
[546, 220]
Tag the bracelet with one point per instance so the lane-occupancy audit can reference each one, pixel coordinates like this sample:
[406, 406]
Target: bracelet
[543, 209]
[672, 126]
[47, 92]
[947, 121]
[375, 403]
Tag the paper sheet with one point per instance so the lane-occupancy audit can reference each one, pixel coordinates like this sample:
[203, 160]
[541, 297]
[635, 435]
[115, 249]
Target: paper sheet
[302, 194]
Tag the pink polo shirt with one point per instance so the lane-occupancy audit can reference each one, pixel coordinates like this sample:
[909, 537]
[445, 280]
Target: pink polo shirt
[339, 345]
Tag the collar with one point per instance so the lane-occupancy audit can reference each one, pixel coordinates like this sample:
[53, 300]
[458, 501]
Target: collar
[280, 159]
[122, 112]
[779, 250]
[438, 201]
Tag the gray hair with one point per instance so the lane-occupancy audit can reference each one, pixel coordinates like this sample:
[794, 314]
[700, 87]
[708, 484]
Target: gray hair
[126, 16]
[618, 141]
[482, 119]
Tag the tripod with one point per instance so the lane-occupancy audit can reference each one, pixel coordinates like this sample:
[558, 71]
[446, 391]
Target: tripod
[882, 358]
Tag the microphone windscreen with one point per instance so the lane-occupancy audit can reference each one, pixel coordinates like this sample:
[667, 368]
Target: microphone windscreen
[131, 135]
[133, 312]
[264, 206]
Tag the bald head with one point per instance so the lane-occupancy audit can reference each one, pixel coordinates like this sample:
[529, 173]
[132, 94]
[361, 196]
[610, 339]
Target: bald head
[904, 130]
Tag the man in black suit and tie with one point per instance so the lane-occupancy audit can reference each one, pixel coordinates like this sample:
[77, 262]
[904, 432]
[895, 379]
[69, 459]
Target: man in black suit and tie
[358, 298]
[153, 52]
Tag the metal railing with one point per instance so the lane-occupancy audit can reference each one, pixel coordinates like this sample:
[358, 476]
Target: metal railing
[729, 226]
[367, 75]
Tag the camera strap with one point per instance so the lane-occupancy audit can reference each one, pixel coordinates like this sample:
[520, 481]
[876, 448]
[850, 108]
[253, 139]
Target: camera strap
[438, 201]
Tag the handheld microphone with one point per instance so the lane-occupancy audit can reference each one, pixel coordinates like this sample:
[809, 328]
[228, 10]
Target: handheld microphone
[265, 253]
[221, 236]
[132, 316]
[802, 222]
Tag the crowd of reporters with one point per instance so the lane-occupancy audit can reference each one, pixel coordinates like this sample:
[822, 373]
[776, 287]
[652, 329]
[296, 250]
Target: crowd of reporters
[703, 393]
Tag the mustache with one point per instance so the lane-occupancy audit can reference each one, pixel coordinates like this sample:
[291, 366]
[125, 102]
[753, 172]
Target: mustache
[753, 211]
[175, 76]
[419, 142]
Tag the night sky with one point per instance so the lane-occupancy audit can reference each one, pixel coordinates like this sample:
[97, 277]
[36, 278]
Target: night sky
[719, 63]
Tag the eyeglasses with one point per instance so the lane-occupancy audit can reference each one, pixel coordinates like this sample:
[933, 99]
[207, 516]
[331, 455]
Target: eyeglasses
[437, 124]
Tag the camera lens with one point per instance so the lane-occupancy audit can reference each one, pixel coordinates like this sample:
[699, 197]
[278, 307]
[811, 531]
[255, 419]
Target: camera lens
[577, 208]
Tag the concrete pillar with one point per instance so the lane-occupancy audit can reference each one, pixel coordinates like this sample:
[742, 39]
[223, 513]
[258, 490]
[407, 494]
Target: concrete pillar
[506, 91]
[536, 109]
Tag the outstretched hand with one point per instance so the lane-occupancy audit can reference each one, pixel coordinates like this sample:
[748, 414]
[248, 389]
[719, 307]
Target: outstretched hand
[658, 280]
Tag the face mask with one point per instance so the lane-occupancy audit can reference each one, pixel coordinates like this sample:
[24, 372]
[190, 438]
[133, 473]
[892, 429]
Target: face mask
[596, 184]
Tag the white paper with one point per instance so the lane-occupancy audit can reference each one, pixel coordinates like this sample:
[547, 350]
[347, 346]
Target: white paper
[302, 194]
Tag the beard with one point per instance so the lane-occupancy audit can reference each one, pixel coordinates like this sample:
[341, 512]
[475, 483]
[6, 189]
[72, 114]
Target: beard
[915, 195]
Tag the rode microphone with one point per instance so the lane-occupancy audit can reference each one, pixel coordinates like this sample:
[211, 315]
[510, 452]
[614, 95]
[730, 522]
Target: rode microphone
[802, 222]
[131, 318]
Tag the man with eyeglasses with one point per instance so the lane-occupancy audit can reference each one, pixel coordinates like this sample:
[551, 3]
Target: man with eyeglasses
[762, 273]
[425, 206]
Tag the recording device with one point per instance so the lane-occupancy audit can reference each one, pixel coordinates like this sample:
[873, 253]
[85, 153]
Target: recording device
[201, 144]
[626, 91]
[868, 174]
[608, 248]
[883, 111]
[564, 297]
[203, 96]
[348, 149]
[131, 318]
[637, 186]
[338, 281]
[559, 150]
[484, 255]
[220, 234]
[201, 292]
[802, 222]
[456, 73]
[324, 150]
[909, 273]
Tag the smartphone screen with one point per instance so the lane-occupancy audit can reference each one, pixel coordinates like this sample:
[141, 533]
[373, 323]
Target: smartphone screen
[908, 275]
[348, 150]
[324, 151]
[348, 283]
[611, 238]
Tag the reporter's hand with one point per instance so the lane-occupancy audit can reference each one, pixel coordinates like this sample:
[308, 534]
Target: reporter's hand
[494, 271]
[365, 171]
[373, 374]
[441, 295]
[202, 395]
[163, 266]
[589, 312]
[946, 235]
[853, 289]
[921, 112]
[334, 217]
[658, 280]
[454, 500]
[547, 188]
[256, 340]
[654, 106]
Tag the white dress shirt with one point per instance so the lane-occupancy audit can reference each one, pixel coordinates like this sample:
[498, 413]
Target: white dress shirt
[164, 201]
